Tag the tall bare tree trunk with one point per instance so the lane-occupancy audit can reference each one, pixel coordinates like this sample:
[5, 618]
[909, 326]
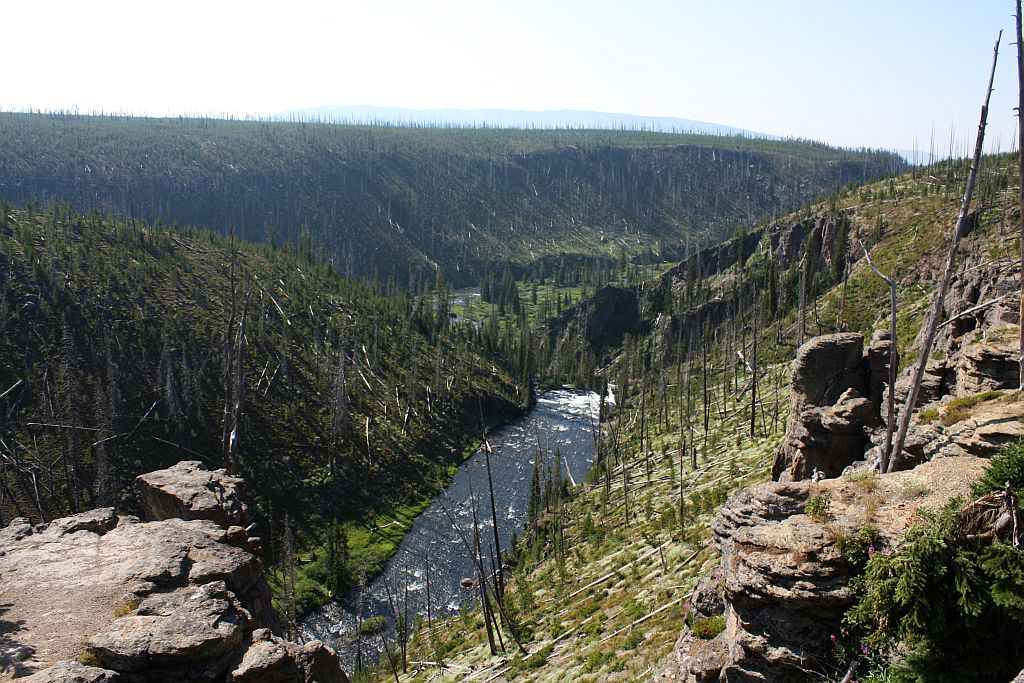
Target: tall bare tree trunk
[935, 315]
[893, 360]
[1020, 157]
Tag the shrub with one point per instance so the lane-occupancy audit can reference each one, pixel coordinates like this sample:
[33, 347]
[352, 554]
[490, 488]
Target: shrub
[1007, 466]
[945, 607]
[126, 606]
[633, 640]
[960, 409]
[372, 625]
[866, 479]
[817, 508]
[597, 660]
[707, 628]
[913, 488]
[871, 504]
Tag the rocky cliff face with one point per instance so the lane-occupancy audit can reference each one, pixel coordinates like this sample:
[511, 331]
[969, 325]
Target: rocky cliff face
[603, 320]
[101, 597]
[785, 244]
[600, 322]
[783, 581]
[829, 406]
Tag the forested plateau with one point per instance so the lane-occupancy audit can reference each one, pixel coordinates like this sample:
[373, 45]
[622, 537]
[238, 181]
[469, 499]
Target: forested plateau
[404, 202]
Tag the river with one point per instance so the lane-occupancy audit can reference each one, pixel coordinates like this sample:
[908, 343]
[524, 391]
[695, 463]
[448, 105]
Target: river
[562, 420]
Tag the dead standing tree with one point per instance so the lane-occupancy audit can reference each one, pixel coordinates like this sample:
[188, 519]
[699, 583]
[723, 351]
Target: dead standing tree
[935, 315]
[893, 360]
[234, 379]
[1020, 159]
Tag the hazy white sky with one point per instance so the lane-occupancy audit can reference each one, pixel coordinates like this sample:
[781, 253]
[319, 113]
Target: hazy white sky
[863, 72]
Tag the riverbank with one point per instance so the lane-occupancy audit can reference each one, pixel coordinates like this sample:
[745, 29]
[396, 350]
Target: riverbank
[336, 555]
[562, 421]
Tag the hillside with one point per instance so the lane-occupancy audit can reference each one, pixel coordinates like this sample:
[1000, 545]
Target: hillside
[120, 343]
[623, 567]
[404, 201]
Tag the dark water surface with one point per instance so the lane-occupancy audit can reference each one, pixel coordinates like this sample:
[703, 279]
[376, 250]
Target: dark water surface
[562, 420]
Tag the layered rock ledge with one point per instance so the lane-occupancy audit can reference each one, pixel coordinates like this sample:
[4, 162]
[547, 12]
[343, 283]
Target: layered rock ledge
[105, 597]
[783, 581]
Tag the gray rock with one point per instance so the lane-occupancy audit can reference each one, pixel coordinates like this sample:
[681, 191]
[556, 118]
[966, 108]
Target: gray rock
[270, 659]
[190, 491]
[784, 578]
[18, 529]
[169, 600]
[828, 414]
[827, 366]
[98, 521]
[72, 672]
[825, 439]
[934, 383]
[988, 365]
[189, 634]
[99, 570]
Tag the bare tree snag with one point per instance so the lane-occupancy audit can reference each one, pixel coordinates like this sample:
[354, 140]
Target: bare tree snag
[1020, 158]
[893, 353]
[932, 324]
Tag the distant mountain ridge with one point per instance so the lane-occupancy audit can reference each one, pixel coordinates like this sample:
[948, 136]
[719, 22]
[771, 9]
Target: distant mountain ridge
[510, 118]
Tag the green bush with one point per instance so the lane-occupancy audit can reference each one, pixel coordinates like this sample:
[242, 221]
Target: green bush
[372, 625]
[597, 660]
[633, 640]
[534, 661]
[945, 607]
[816, 508]
[1007, 466]
[707, 628]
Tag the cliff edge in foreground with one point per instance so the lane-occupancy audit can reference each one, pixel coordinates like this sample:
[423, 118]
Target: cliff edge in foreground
[105, 597]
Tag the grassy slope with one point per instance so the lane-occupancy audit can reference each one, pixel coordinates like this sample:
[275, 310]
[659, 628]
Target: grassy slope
[622, 627]
[393, 199]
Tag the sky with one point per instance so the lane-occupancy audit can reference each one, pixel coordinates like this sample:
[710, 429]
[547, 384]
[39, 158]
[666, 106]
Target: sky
[892, 73]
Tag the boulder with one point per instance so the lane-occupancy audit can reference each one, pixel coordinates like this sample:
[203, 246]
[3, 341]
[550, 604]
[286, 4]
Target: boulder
[113, 563]
[98, 521]
[189, 491]
[189, 634]
[934, 383]
[828, 412]
[72, 672]
[827, 366]
[270, 659]
[18, 529]
[168, 600]
[988, 364]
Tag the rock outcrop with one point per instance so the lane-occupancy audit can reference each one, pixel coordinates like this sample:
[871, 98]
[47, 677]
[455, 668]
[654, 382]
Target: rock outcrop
[190, 491]
[270, 659]
[73, 672]
[828, 407]
[785, 244]
[167, 600]
[783, 576]
[601, 322]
